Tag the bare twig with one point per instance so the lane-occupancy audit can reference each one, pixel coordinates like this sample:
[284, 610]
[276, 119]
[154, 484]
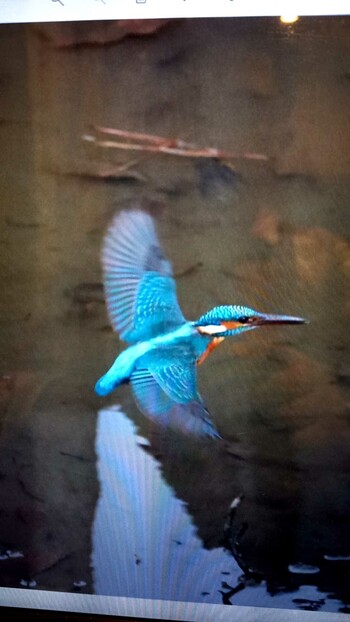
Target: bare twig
[135, 141]
[147, 138]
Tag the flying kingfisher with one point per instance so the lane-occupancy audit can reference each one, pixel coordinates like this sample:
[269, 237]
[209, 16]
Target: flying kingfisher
[161, 362]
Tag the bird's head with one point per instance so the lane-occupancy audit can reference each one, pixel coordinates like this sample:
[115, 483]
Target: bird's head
[228, 320]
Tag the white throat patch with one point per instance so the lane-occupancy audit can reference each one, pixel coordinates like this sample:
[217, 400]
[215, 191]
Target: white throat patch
[211, 329]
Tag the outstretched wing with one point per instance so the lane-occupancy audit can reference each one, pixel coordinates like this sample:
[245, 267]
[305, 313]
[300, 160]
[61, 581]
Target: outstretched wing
[165, 389]
[139, 287]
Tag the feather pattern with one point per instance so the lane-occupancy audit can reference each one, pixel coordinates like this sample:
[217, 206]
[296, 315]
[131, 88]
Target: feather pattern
[174, 368]
[139, 287]
[165, 389]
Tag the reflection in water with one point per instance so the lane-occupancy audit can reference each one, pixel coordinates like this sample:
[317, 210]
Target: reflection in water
[145, 543]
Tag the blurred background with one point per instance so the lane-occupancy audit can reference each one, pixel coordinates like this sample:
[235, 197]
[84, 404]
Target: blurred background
[271, 233]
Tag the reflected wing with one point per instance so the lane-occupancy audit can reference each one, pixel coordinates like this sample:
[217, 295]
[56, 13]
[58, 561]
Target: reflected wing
[165, 389]
[139, 287]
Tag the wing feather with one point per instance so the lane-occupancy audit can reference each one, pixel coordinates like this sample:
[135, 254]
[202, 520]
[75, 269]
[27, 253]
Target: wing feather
[166, 392]
[139, 287]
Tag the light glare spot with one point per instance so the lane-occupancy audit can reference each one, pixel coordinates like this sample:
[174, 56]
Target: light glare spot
[289, 18]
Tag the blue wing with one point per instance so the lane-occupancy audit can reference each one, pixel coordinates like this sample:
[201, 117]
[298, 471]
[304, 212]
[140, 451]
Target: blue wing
[165, 389]
[139, 287]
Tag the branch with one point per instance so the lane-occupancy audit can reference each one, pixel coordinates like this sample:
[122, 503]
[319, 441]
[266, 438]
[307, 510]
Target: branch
[135, 141]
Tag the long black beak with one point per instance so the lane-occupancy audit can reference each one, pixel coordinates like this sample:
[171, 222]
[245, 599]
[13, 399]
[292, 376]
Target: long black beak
[263, 319]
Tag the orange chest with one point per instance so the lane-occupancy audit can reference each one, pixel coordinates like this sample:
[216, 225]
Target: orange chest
[211, 346]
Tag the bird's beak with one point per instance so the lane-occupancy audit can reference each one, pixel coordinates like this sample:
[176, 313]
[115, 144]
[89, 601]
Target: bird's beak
[264, 319]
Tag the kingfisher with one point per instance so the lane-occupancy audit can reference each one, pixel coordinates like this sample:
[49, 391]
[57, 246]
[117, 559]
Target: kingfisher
[165, 349]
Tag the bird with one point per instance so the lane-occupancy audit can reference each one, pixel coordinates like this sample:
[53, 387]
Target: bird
[165, 349]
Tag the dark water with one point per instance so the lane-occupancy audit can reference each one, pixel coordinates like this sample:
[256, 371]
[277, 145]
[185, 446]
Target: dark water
[262, 518]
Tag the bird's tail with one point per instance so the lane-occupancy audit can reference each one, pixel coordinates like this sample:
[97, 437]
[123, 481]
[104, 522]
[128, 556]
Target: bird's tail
[106, 384]
[116, 375]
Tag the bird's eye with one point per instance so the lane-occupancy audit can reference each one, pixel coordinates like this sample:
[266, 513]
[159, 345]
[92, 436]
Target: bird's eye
[244, 319]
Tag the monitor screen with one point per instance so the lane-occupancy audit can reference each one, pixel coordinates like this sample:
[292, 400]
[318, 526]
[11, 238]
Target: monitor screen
[175, 185]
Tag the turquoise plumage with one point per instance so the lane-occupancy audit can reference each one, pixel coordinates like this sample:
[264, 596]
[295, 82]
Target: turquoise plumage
[161, 361]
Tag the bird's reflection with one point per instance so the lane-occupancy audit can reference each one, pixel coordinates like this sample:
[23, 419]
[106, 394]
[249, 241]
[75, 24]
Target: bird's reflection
[145, 543]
